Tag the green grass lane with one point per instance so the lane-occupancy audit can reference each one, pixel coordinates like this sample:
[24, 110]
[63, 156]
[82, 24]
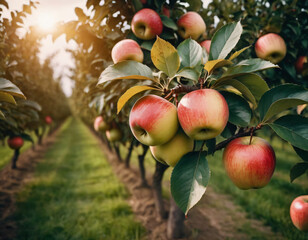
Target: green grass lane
[74, 194]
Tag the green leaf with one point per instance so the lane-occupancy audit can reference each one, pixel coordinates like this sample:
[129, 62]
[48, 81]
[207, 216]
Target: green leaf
[168, 22]
[8, 87]
[165, 57]
[256, 84]
[298, 170]
[239, 110]
[189, 180]
[292, 128]
[211, 144]
[238, 86]
[210, 66]
[126, 70]
[237, 53]
[2, 116]
[26, 137]
[6, 97]
[31, 104]
[281, 98]
[224, 40]
[190, 53]
[301, 153]
[130, 93]
[189, 74]
[248, 66]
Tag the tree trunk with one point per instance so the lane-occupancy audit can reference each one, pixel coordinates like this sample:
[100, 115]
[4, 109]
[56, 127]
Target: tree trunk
[141, 158]
[117, 151]
[157, 189]
[129, 154]
[15, 158]
[175, 224]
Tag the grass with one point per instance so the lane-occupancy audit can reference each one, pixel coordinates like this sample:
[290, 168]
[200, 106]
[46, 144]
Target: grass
[270, 204]
[75, 195]
[6, 153]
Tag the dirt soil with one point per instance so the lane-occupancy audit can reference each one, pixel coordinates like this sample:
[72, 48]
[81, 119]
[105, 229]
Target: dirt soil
[12, 181]
[216, 216]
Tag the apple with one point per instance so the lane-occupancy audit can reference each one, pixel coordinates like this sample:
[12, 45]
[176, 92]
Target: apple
[126, 49]
[15, 142]
[299, 212]
[153, 120]
[299, 64]
[114, 135]
[100, 124]
[166, 11]
[171, 152]
[191, 25]
[207, 45]
[48, 120]
[249, 165]
[271, 47]
[203, 114]
[146, 24]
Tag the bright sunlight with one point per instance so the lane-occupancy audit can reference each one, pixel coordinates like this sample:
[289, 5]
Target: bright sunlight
[46, 22]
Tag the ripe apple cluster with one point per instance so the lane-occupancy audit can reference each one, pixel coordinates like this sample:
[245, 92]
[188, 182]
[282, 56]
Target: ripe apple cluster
[147, 24]
[170, 131]
[113, 134]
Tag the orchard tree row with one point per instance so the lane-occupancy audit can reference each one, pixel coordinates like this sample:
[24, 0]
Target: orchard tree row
[188, 81]
[30, 97]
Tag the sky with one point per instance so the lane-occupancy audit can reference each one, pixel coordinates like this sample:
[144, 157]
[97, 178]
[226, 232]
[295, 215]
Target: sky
[47, 13]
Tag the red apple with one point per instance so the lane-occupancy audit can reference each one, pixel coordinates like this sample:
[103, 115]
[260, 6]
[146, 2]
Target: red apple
[153, 120]
[299, 64]
[207, 45]
[114, 134]
[249, 165]
[48, 120]
[127, 49]
[271, 47]
[100, 124]
[203, 114]
[191, 25]
[15, 142]
[146, 24]
[299, 212]
[166, 11]
[171, 152]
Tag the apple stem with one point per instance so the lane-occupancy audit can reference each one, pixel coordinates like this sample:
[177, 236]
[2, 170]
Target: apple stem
[251, 134]
[248, 132]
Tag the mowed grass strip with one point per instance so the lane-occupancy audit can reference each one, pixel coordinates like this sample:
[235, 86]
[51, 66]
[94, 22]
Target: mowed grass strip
[75, 195]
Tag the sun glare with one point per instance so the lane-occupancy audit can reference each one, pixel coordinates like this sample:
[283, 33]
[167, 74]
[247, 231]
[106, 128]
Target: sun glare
[46, 22]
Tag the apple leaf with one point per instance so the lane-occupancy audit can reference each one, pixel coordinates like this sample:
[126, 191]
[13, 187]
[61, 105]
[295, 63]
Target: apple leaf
[6, 97]
[298, 170]
[126, 70]
[190, 53]
[210, 66]
[165, 57]
[292, 128]
[224, 40]
[189, 180]
[26, 137]
[30, 104]
[248, 66]
[189, 74]
[301, 153]
[168, 22]
[239, 110]
[256, 84]
[7, 86]
[237, 53]
[130, 93]
[281, 98]
[238, 86]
